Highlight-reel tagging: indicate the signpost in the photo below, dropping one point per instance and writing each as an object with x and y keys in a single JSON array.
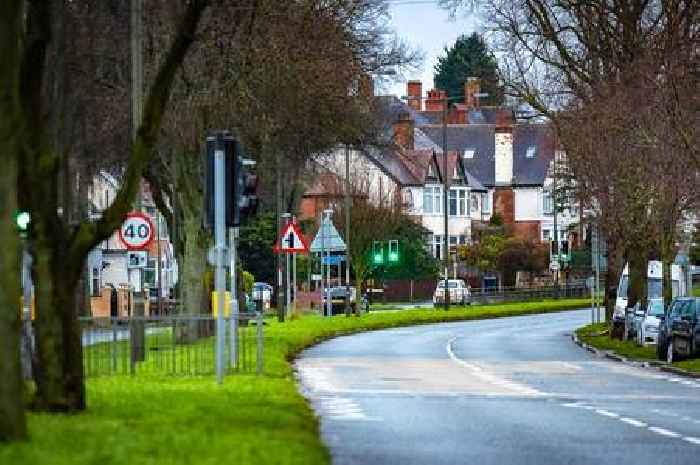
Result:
[
  {"x": 137, "y": 231},
  {"x": 327, "y": 240},
  {"x": 291, "y": 241}
]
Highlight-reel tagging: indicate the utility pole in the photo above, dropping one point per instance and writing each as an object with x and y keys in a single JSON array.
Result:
[
  {"x": 278, "y": 193},
  {"x": 233, "y": 339},
  {"x": 556, "y": 228},
  {"x": 347, "y": 232},
  {"x": 445, "y": 177}
]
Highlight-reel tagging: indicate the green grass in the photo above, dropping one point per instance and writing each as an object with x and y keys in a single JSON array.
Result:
[
  {"x": 159, "y": 419},
  {"x": 596, "y": 335},
  {"x": 696, "y": 291}
]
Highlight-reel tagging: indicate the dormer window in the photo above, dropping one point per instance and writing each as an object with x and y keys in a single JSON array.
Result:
[
  {"x": 455, "y": 173},
  {"x": 469, "y": 153},
  {"x": 531, "y": 151},
  {"x": 431, "y": 174}
]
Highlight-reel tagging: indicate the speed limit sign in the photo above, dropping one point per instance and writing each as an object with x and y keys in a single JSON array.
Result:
[{"x": 137, "y": 231}]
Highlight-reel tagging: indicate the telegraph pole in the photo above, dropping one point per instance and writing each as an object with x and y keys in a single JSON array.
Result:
[
  {"x": 445, "y": 177},
  {"x": 347, "y": 232}
]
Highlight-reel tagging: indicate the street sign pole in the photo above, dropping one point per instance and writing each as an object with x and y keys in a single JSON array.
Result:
[
  {"x": 220, "y": 246},
  {"x": 294, "y": 273},
  {"x": 233, "y": 337}
]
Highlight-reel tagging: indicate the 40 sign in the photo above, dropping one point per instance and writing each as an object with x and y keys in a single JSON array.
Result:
[{"x": 137, "y": 231}]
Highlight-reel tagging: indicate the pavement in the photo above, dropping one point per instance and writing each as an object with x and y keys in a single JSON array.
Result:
[{"x": 506, "y": 391}]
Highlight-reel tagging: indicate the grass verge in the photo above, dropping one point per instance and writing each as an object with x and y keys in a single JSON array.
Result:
[
  {"x": 596, "y": 335},
  {"x": 158, "y": 419}
]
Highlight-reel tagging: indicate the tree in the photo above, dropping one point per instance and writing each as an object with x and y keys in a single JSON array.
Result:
[
  {"x": 12, "y": 421},
  {"x": 60, "y": 246},
  {"x": 590, "y": 67},
  {"x": 469, "y": 57},
  {"x": 255, "y": 247}
]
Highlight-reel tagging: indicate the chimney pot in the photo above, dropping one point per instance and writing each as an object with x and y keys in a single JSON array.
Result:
[
  {"x": 403, "y": 131},
  {"x": 414, "y": 91}
]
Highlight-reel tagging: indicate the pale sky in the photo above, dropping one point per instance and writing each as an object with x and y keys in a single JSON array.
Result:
[{"x": 426, "y": 26}]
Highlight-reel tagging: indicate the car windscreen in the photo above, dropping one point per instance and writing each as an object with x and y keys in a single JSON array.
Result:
[
  {"x": 656, "y": 308},
  {"x": 451, "y": 284}
]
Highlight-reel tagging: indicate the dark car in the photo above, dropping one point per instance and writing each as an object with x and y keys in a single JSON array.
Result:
[{"x": 679, "y": 331}]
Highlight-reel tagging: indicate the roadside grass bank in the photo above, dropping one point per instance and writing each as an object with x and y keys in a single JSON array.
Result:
[
  {"x": 597, "y": 336},
  {"x": 257, "y": 420}
]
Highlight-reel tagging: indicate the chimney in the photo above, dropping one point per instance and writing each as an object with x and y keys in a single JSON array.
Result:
[
  {"x": 503, "y": 138},
  {"x": 471, "y": 90},
  {"x": 414, "y": 91},
  {"x": 436, "y": 101},
  {"x": 403, "y": 131}
]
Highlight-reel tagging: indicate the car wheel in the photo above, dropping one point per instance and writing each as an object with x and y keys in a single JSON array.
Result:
[
  {"x": 669, "y": 353},
  {"x": 660, "y": 349}
]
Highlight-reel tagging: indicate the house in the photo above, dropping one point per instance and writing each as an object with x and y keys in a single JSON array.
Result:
[
  {"x": 110, "y": 264},
  {"x": 494, "y": 163}
]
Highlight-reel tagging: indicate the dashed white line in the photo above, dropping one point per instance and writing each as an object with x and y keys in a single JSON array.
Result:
[
  {"x": 488, "y": 377},
  {"x": 633, "y": 422},
  {"x": 664, "y": 432},
  {"x": 607, "y": 413}
]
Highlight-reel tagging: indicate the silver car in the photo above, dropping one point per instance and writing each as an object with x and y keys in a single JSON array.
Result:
[{"x": 647, "y": 327}]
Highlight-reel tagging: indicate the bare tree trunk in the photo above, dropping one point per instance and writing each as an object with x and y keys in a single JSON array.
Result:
[
  {"x": 13, "y": 425},
  {"x": 59, "y": 376},
  {"x": 12, "y": 421}
]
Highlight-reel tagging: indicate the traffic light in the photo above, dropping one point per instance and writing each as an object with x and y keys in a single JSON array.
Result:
[
  {"x": 246, "y": 185},
  {"x": 240, "y": 184},
  {"x": 22, "y": 220},
  {"x": 565, "y": 247},
  {"x": 377, "y": 253},
  {"x": 393, "y": 250}
]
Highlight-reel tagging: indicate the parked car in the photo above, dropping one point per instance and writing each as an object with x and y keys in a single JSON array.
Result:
[
  {"x": 458, "y": 289},
  {"x": 262, "y": 291},
  {"x": 337, "y": 295},
  {"x": 679, "y": 331},
  {"x": 622, "y": 315},
  {"x": 647, "y": 326}
]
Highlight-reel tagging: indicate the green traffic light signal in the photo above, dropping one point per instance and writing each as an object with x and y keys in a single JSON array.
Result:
[
  {"x": 22, "y": 220},
  {"x": 377, "y": 253},
  {"x": 393, "y": 250}
]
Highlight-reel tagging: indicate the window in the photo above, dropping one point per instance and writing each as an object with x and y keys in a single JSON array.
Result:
[
  {"x": 546, "y": 235},
  {"x": 487, "y": 202},
  {"x": 95, "y": 282},
  {"x": 458, "y": 202},
  {"x": 462, "y": 239},
  {"x": 475, "y": 203},
  {"x": 432, "y": 200},
  {"x": 547, "y": 206},
  {"x": 531, "y": 151},
  {"x": 469, "y": 153},
  {"x": 437, "y": 246},
  {"x": 455, "y": 173},
  {"x": 453, "y": 240}
]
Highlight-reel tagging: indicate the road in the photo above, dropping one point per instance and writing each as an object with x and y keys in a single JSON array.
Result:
[{"x": 506, "y": 391}]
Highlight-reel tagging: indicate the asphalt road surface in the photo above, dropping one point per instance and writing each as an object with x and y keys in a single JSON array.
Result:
[{"x": 507, "y": 391}]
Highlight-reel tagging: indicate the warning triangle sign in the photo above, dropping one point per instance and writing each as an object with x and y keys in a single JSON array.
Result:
[{"x": 291, "y": 240}]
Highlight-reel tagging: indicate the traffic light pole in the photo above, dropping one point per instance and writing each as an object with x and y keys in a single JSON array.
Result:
[{"x": 220, "y": 247}]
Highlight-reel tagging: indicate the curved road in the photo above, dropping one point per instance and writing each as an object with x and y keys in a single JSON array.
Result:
[{"x": 506, "y": 391}]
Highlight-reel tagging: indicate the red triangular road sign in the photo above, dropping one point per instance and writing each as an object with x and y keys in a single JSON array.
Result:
[{"x": 291, "y": 240}]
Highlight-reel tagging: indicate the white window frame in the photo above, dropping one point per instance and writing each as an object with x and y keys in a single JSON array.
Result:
[
  {"x": 486, "y": 203},
  {"x": 547, "y": 203}
]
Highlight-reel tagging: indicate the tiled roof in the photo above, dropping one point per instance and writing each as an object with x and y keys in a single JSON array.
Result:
[
  {"x": 476, "y": 137},
  {"x": 532, "y": 170}
]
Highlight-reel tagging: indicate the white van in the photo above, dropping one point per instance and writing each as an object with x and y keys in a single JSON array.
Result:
[{"x": 654, "y": 285}]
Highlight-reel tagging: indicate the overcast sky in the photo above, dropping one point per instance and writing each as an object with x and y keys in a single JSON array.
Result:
[{"x": 426, "y": 26}]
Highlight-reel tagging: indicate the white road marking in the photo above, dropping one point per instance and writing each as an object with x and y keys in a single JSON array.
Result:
[
  {"x": 633, "y": 422},
  {"x": 664, "y": 432},
  {"x": 607, "y": 413},
  {"x": 488, "y": 377},
  {"x": 692, "y": 440}
]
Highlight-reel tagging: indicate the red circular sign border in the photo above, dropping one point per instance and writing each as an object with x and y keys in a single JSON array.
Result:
[{"x": 150, "y": 224}]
